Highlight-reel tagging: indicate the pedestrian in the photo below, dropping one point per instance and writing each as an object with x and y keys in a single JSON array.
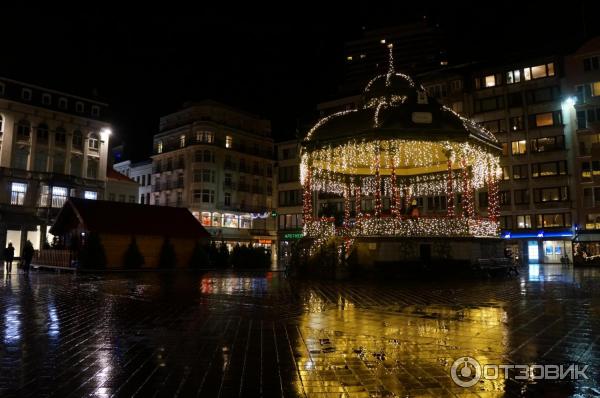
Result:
[
  {"x": 27, "y": 255},
  {"x": 9, "y": 256}
]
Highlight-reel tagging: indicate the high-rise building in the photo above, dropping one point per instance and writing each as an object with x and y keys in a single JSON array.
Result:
[
  {"x": 54, "y": 145},
  {"x": 218, "y": 162},
  {"x": 418, "y": 47}
]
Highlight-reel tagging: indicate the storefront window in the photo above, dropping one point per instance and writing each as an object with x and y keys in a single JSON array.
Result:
[
  {"x": 206, "y": 220},
  {"x": 246, "y": 222},
  {"x": 216, "y": 219},
  {"x": 230, "y": 221}
]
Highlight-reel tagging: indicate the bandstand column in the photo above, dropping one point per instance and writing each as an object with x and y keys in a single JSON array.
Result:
[
  {"x": 393, "y": 200},
  {"x": 467, "y": 194},
  {"x": 307, "y": 198},
  {"x": 450, "y": 190},
  {"x": 377, "y": 186},
  {"x": 347, "y": 206},
  {"x": 493, "y": 199},
  {"x": 357, "y": 200}
]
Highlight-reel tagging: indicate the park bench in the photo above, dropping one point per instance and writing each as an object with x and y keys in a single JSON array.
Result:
[{"x": 496, "y": 266}]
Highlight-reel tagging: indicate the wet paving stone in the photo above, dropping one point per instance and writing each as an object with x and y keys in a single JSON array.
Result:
[{"x": 261, "y": 335}]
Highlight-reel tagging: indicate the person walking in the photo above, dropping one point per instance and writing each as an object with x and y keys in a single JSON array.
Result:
[
  {"x": 27, "y": 255},
  {"x": 9, "y": 256}
]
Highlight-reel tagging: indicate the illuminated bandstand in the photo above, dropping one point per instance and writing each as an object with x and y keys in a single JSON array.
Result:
[{"x": 386, "y": 157}]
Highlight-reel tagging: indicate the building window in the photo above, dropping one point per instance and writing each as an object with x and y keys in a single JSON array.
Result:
[
  {"x": 216, "y": 219},
  {"x": 76, "y": 165},
  {"x": 92, "y": 168},
  {"x": 513, "y": 76},
  {"x": 524, "y": 221},
  {"x": 545, "y": 119},
  {"x": 505, "y": 198},
  {"x": 520, "y": 172},
  {"x": 494, "y": 126},
  {"x": 23, "y": 130},
  {"x": 208, "y": 196},
  {"x": 457, "y": 107},
  {"x": 91, "y": 195},
  {"x": 26, "y": 94},
  {"x": 546, "y": 144},
  {"x": 60, "y": 137},
  {"x": 539, "y": 71},
  {"x": 227, "y": 199},
  {"x": 159, "y": 147},
  {"x": 59, "y": 196},
  {"x": 40, "y": 160},
  {"x": 505, "y": 173},
  {"x": 557, "y": 194},
  {"x": 62, "y": 103},
  {"x": 208, "y": 157},
  {"x": 2, "y": 88},
  {"x": 516, "y": 123},
  {"x": 17, "y": 194},
  {"x": 93, "y": 143},
  {"x": 21, "y": 157},
  {"x": 42, "y": 133},
  {"x": 207, "y": 137},
  {"x": 590, "y": 63},
  {"x": 489, "y": 104},
  {"x": 131, "y": 198},
  {"x": 553, "y": 220},
  {"x": 490, "y": 81},
  {"x": 79, "y": 107},
  {"x": 77, "y": 140},
  {"x": 228, "y": 141},
  {"x": 197, "y": 196},
  {"x": 230, "y": 220},
  {"x": 519, "y": 147},
  {"x": 182, "y": 141},
  {"x": 46, "y": 99},
  {"x": 95, "y": 110},
  {"x": 521, "y": 196},
  {"x": 549, "y": 169},
  {"x": 245, "y": 222}
]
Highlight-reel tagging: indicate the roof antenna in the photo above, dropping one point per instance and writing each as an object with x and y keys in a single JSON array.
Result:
[{"x": 391, "y": 70}]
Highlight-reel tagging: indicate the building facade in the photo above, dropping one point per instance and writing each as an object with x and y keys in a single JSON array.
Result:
[
  {"x": 218, "y": 162},
  {"x": 53, "y": 146},
  {"x": 289, "y": 198},
  {"x": 140, "y": 172},
  {"x": 582, "y": 70}
]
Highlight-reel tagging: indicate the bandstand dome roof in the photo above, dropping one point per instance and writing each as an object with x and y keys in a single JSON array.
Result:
[{"x": 397, "y": 108}]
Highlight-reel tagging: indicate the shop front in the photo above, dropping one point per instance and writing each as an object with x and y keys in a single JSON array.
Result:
[
  {"x": 286, "y": 243},
  {"x": 545, "y": 247}
]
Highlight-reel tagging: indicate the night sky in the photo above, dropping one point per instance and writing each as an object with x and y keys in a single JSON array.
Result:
[{"x": 276, "y": 63}]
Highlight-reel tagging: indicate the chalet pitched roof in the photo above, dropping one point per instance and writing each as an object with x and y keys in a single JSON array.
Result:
[
  {"x": 115, "y": 175},
  {"x": 128, "y": 218}
]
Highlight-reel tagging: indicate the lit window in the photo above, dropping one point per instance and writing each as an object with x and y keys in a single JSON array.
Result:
[
  {"x": 182, "y": 141},
  {"x": 490, "y": 81},
  {"x": 230, "y": 220},
  {"x": 524, "y": 221},
  {"x": 228, "y": 141},
  {"x": 349, "y": 58},
  {"x": 91, "y": 195},
  {"x": 527, "y": 73},
  {"x": 59, "y": 196},
  {"x": 93, "y": 142},
  {"x": 205, "y": 136},
  {"x": 544, "y": 119},
  {"x": 513, "y": 76},
  {"x": 206, "y": 219},
  {"x": 551, "y": 69},
  {"x": 216, "y": 219},
  {"x": 246, "y": 222},
  {"x": 519, "y": 147},
  {"x": 538, "y": 71},
  {"x": 382, "y": 41},
  {"x": 596, "y": 89},
  {"x": 159, "y": 147},
  {"x": 17, "y": 196},
  {"x": 363, "y": 56}
]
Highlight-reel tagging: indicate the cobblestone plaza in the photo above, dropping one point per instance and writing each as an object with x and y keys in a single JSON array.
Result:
[{"x": 262, "y": 335}]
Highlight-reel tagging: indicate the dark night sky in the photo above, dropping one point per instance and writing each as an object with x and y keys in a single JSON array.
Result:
[{"x": 146, "y": 64}]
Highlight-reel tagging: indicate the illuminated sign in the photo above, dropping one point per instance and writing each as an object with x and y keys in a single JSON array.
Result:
[
  {"x": 293, "y": 236},
  {"x": 265, "y": 241}
]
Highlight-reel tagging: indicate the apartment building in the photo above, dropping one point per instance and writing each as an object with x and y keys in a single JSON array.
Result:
[
  {"x": 289, "y": 198},
  {"x": 54, "y": 145},
  {"x": 218, "y": 162},
  {"x": 140, "y": 172},
  {"x": 523, "y": 103},
  {"x": 582, "y": 71}
]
